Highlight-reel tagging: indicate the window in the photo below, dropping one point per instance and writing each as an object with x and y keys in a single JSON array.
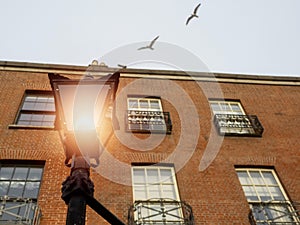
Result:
[
  {"x": 231, "y": 119},
  {"x": 266, "y": 197},
  {"x": 147, "y": 104},
  {"x": 19, "y": 189},
  {"x": 146, "y": 115},
  {"x": 38, "y": 109},
  {"x": 156, "y": 195},
  {"x": 227, "y": 107},
  {"x": 154, "y": 182}
]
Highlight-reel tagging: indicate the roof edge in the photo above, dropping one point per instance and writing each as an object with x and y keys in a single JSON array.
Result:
[{"x": 102, "y": 68}]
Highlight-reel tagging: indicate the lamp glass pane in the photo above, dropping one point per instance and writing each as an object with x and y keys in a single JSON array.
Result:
[{"x": 82, "y": 104}]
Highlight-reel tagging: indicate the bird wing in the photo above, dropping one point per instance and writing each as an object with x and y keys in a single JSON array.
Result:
[
  {"x": 153, "y": 41},
  {"x": 142, "y": 48},
  {"x": 188, "y": 20},
  {"x": 196, "y": 9}
]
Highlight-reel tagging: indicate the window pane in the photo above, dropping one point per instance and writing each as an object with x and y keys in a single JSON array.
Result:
[
  {"x": 225, "y": 107},
  {"x": 22, "y": 210},
  {"x": 154, "y": 191},
  {"x": 47, "y": 124},
  {"x": 14, "y": 210},
  {"x": 139, "y": 176},
  {"x": 258, "y": 212},
  {"x": 144, "y": 104},
  {"x": 37, "y": 117},
  {"x": 154, "y": 104},
  {"x": 172, "y": 214},
  {"x": 23, "y": 123},
  {"x": 35, "y": 123},
  {"x": 49, "y": 118},
  {"x": 31, "y": 190},
  {"x": 50, "y": 107},
  {"x": 235, "y": 107},
  {"x": 142, "y": 212},
  {"x": 250, "y": 193},
  {"x": 169, "y": 192},
  {"x": 6, "y": 173},
  {"x": 16, "y": 189},
  {"x": 263, "y": 193},
  {"x": 166, "y": 176},
  {"x": 20, "y": 173},
  {"x": 154, "y": 212},
  {"x": 152, "y": 175},
  {"x": 276, "y": 193},
  {"x": 28, "y": 105},
  {"x": 270, "y": 212},
  {"x": 40, "y": 106},
  {"x": 35, "y": 174},
  {"x": 3, "y": 187},
  {"x": 42, "y": 99},
  {"x": 132, "y": 103},
  {"x": 244, "y": 178},
  {"x": 256, "y": 177},
  {"x": 51, "y": 100},
  {"x": 280, "y": 213},
  {"x": 140, "y": 192},
  {"x": 269, "y": 178},
  {"x": 215, "y": 107},
  {"x": 25, "y": 117},
  {"x": 30, "y": 99}
]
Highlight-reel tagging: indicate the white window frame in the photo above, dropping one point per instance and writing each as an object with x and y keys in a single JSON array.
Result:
[
  {"x": 161, "y": 184},
  {"x": 270, "y": 188},
  {"x": 227, "y": 107},
  {"x": 139, "y": 105}
]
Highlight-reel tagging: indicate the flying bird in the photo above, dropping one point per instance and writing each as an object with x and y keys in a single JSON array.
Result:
[
  {"x": 194, "y": 14},
  {"x": 150, "y": 46}
]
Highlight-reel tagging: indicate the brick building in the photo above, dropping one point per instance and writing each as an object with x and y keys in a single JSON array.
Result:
[{"x": 189, "y": 148}]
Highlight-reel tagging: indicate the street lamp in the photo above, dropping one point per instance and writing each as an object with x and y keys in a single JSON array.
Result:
[{"x": 81, "y": 106}]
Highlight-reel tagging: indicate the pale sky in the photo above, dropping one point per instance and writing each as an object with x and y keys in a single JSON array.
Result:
[{"x": 233, "y": 36}]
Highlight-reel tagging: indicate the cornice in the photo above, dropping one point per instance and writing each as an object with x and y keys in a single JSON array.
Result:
[{"x": 102, "y": 69}]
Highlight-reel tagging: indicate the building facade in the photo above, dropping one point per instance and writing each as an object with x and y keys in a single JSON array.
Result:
[{"x": 178, "y": 148}]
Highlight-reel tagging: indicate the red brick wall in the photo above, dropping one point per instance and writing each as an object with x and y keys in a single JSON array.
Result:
[{"x": 215, "y": 194}]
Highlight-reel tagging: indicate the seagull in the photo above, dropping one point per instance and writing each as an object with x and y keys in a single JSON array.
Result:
[
  {"x": 194, "y": 14},
  {"x": 150, "y": 46}
]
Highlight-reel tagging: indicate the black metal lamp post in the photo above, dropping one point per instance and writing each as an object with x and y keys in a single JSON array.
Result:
[{"x": 81, "y": 105}]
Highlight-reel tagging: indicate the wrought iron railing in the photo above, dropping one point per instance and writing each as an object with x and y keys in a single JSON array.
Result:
[
  {"x": 238, "y": 125},
  {"x": 19, "y": 211},
  {"x": 148, "y": 121},
  {"x": 160, "y": 212},
  {"x": 275, "y": 213}
]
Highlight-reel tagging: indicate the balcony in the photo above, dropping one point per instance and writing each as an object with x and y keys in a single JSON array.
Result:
[
  {"x": 278, "y": 213},
  {"x": 160, "y": 212},
  {"x": 148, "y": 121},
  {"x": 238, "y": 125},
  {"x": 19, "y": 211}
]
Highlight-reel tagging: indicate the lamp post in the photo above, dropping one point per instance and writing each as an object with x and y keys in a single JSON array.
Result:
[{"x": 81, "y": 106}]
